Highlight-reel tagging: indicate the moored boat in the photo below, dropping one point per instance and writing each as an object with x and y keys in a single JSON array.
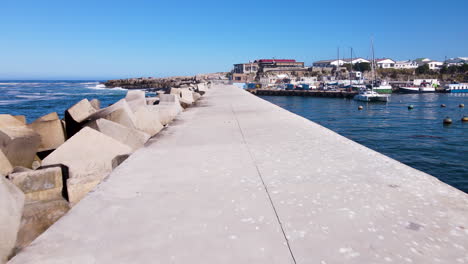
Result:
[
  {"x": 424, "y": 87},
  {"x": 457, "y": 88},
  {"x": 371, "y": 96}
]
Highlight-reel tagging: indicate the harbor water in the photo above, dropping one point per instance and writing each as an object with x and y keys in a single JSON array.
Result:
[{"x": 415, "y": 137}]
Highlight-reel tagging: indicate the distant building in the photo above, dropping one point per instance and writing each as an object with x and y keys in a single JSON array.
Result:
[
  {"x": 278, "y": 64},
  {"x": 456, "y": 61},
  {"x": 408, "y": 64},
  {"x": 385, "y": 63},
  {"x": 356, "y": 60},
  {"x": 433, "y": 65},
  {"x": 246, "y": 72},
  {"x": 338, "y": 63},
  {"x": 251, "y": 67},
  {"x": 328, "y": 63}
]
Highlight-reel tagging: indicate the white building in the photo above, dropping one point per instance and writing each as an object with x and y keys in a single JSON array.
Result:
[
  {"x": 433, "y": 65},
  {"x": 385, "y": 63},
  {"x": 334, "y": 63},
  {"x": 456, "y": 61},
  {"x": 408, "y": 64},
  {"x": 328, "y": 63},
  {"x": 356, "y": 60}
]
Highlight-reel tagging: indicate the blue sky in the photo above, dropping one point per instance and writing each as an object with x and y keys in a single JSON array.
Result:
[{"x": 117, "y": 39}]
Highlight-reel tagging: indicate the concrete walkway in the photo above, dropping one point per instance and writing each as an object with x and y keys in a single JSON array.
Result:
[{"x": 239, "y": 180}]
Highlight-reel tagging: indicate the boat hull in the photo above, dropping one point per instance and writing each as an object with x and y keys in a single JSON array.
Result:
[
  {"x": 458, "y": 91},
  {"x": 370, "y": 98},
  {"x": 416, "y": 90},
  {"x": 383, "y": 91}
]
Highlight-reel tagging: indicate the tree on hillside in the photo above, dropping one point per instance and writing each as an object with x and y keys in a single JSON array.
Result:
[
  {"x": 362, "y": 66},
  {"x": 347, "y": 66},
  {"x": 423, "y": 69}
]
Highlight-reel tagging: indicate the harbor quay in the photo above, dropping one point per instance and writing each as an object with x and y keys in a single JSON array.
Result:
[
  {"x": 236, "y": 179},
  {"x": 338, "y": 94}
]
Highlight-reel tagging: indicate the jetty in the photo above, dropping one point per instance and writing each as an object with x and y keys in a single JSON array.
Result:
[
  {"x": 315, "y": 93},
  {"x": 236, "y": 179}
]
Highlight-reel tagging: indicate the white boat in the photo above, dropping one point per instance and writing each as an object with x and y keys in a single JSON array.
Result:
[
  {"x": 423, "y": 88},
  {"x": 457, "y": 88},
  {"x": 371, "y": 96},
  {"x": 367, "y": 95}
]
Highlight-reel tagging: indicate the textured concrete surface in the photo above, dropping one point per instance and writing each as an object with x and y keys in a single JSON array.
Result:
[
  {"x": 11, "y": 206},
  {"x": 239, "y": 180}
]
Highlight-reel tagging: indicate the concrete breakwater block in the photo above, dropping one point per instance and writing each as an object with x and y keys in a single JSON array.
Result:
[
  {"x": 167, "y": 113},
  {"x": 5, "y": 165},
  {"x": 131, "y": 137},
  {"x": 10, "y": 121},
  {"x": 169, "y": 107},
  {"x": 95, "y": 103},
  {"x": 48, "y": 117},
  {"x": 175, "y": 91},
  {"x": 21, "y": 118},
  {"x": 147, "y": 120},
  {"x": 202, "y": 88},
  {"x": 88, "y": 156},
  {"x": 51, "y": 132},
  {"x": 19, "y": 144},
  {"x": 135, "y": 99},
  {"x": 77, "y": 115},
  {"x": 120, "y": 113},
  {"x": 37, "y": 217},
  {"x": 186, "y": 98},
  {"x": 11, "y": 207},
  {"x": 39, "y": 185},
  {"x": 152, "y": 100},
  {"x": 196, "y": 96}
]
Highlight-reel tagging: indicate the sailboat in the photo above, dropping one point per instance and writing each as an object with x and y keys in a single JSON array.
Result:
[{"x": 369, "y": 95}]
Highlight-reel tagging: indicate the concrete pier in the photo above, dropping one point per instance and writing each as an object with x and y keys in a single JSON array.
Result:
[{"x": 239, "y": 180}]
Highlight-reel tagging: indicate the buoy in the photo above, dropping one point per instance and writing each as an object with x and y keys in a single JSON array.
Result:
[
  {"x": 461, "y": 105},
  {"x": 464, "y": 119},
  {"x": 442, "y": 105},
  {"x": 360, "y": 107},
  {"x": 447, "y": 121},
  {"x": 410, "y": 107}
]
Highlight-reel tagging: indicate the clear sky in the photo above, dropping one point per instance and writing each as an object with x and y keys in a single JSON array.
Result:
[{"x": 101, "y": 39}]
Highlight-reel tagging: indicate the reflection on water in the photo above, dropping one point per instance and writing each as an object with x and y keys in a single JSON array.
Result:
[{"x": 415, "y": 137}]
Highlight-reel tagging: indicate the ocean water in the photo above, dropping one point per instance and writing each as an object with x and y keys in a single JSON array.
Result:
[
  {"x": 37, "y": 98},
  {"x": 415, "y": 137}
]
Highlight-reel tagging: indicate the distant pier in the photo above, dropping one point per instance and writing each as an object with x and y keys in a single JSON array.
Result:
[{"x": 316, "y": 93}]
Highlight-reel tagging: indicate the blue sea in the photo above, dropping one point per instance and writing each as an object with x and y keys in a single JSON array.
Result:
[
  {"x": 37, "y": 98},
  {"x": 415, "y": 137}
]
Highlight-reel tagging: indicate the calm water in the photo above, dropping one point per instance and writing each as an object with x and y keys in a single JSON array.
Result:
[
  {"x": 415, "y": 137},
  {"x": 36, "y": 98}
]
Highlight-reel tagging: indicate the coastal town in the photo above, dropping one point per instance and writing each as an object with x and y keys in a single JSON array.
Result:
[{"x": 384, "y": 75}]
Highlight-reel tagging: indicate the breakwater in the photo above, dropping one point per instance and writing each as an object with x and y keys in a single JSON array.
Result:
[
  {"x": 258, "y": 184},
  {"x": 337, "y": 94},
  {"x": 50, "y": 164},
  {"x": 152, "y": 83}
]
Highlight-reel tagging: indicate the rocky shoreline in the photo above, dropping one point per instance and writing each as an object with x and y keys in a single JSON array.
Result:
[{"x": 152, "y": 83}]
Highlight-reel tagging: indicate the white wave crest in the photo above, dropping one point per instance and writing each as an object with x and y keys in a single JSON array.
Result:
[{"x": 103, "y": 87}]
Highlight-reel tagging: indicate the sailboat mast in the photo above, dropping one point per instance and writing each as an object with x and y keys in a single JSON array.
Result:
[{"x": 373, "y": 63}]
